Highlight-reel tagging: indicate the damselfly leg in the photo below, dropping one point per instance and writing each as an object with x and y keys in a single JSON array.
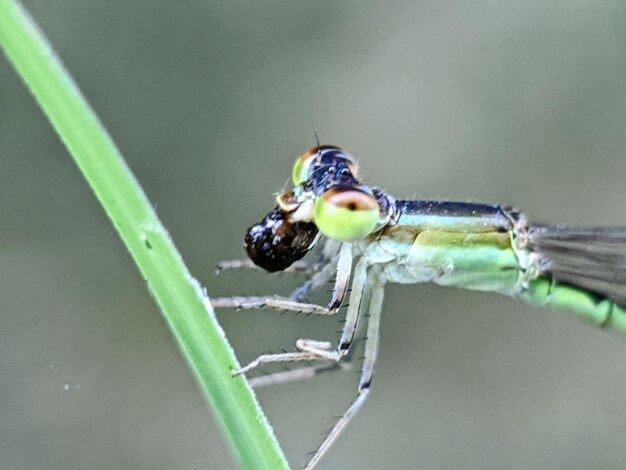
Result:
[
  {"x": 343, "y": 268},
  {"x": 308, "y": 349},
  {"x": 301, "y": 373},
  {"x": 369, "y": 362},
  {"x": 297, "y": 267},
  {"x": 367, "y": 289},
  {"x": 327, "y": 267}
]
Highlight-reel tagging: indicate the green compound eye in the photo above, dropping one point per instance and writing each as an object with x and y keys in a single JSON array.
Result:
[
  {"x": 347, "y": 214},
  {"x": 301, "y": 167}
]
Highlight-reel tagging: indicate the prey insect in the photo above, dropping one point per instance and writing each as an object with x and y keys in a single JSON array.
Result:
[{"x": 370, "y": 238}]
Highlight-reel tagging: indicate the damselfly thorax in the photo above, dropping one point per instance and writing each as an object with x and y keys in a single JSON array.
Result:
[{"x": 473, "y": 246}]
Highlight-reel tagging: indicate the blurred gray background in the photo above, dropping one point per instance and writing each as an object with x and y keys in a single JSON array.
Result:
[{"x": 517, "y": 102}]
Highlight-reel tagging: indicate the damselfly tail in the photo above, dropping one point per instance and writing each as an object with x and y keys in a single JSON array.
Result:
[{"x": 591, "y": 258}]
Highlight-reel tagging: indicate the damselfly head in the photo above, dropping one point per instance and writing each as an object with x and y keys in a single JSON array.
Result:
[
  {"x": 275, "y": 243},
  {"x": 329, "y": 193},
  {"x": 328, "y": 198}
]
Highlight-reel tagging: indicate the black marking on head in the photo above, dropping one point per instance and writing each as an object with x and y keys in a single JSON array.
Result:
[
  {"x": 330, "y": 169},
  {"x": 274, "y": 244}
]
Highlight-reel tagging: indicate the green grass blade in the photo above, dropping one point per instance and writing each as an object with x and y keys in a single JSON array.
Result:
[{"x": 182, "y": 301}]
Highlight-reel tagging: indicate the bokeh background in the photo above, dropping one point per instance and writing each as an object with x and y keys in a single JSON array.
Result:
[{"x": 517, "y": 102}]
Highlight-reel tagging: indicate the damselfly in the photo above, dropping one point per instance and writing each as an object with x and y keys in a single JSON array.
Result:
[{"x": 370, "y": 239}]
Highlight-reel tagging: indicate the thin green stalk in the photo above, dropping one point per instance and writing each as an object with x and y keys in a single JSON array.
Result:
[{"x": 184, "y": 304}]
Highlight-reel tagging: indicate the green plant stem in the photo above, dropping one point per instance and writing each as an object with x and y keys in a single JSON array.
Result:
[{"x": 184, "y": 304}]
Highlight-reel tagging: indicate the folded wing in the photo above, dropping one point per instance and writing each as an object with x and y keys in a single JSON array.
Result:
[{"x": 593, "y": 258}]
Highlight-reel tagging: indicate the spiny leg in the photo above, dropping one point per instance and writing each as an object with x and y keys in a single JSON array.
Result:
[
  {"x": 318, "y": 350},
  {"x": 344, "y": 266},
  {"x": 359, "y": 283},
  {"x": 297, "y": 267},
  {"x": 329, "y": 252},
  {"x": 269, "y": 301},
  {"x": 371, "y": 353},
  {"x": 320, "y": 271},
  {"x": 316, "y": 281},
  {"x": 301, "y": 373},
  {"x": 340, "y": 262},
  {"x": 308, "y": 350}
]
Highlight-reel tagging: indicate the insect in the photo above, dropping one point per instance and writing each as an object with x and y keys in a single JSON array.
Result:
[{"x": 370, "y": 238}]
